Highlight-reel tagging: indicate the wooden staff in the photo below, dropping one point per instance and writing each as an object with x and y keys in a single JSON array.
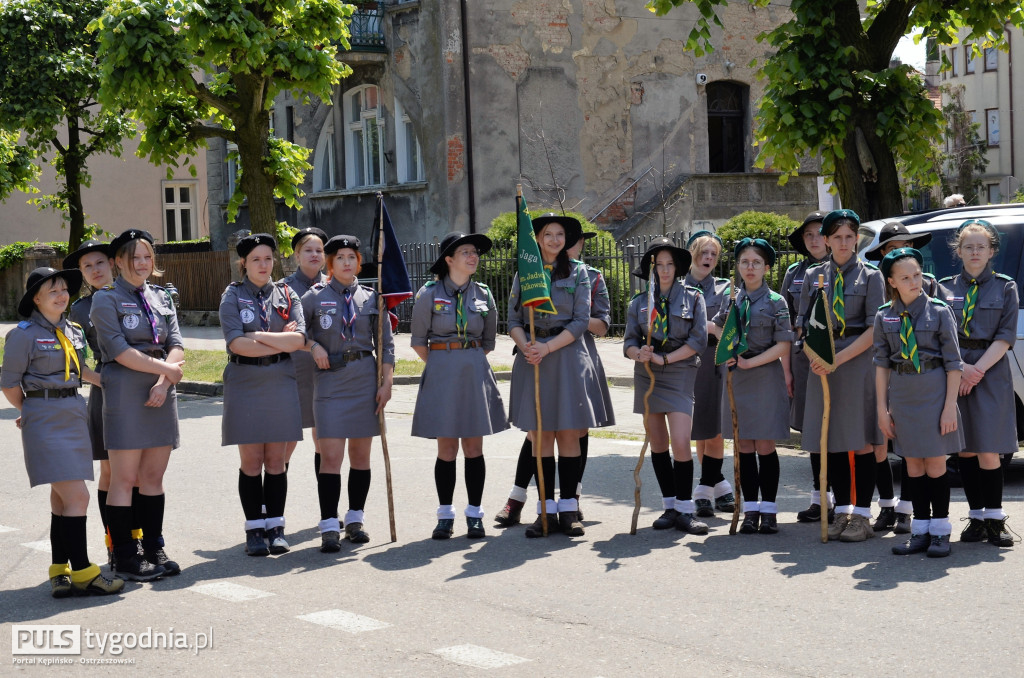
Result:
[
  {"x": 823, "y": 445},
  {"x": 538, "y": 436},
  {"x": 382, "y": 317},
  {"x": 735, "y": 427},
  {"x": 647, "y": 427}
]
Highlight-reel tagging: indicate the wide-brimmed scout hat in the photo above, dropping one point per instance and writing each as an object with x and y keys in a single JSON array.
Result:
[
  {"x": 680, "y": 257},
  {"x": 572, "y": 226},
  {"x": 454, "y": 241},
  {"x": 796, "y": 238},
  {"x": 40, "y": 276},
  {"x": 72, "y": 260},
  {"x": 894, "y": 230}
]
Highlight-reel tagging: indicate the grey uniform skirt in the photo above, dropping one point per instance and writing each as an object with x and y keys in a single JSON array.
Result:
[
  {"x": 344, "y": 401},
  {"x": 707, "y": 395},
  {"x": 55, "y": 439},
  {"x": 853, "y": 421},
  {"x": 127, "y": 423},
  {"x": 305, "y": 375},
  {"x": 568, "y": 390},
  {"x": 261, "y": 404},
  {"x": 800, "y": 367},
  {"x": 915, "y": 403},
  {"x": 988, "y": 411},
  {"x": 603, "y": 405},
  {"x": 673, "y": 388},
  {"x": 95, "y": 410},
  {"x": 458, "y": 397},
  {"x": 762, "y": 403}
]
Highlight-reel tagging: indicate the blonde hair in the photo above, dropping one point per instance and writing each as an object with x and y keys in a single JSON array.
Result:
[
  {"x": 976, "y": 227},
  {"x": 128, "y": 250},
  {"x": 697, "y": 245},
  {"x": 304, "y": 239}
]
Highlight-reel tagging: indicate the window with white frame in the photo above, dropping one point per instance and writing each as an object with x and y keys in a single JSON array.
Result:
[
  {"x": 991, "y": 59},
  {"x": 992, "y": 126},
  {"x": 993, "y": 194},
  {"x": 970, "y": 59},
  {"x": 179, "y": 211},
  {"x": 324, "y": 174},
  {"x": 364, "y": 137},
  {"x": 407, "y": 147},
  {"x": 953, "y": 65}
]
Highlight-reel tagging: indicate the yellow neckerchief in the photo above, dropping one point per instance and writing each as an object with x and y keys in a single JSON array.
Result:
[{"x": 70, "y": 354}]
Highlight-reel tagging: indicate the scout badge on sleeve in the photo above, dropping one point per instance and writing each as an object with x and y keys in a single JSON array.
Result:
[{"x": 820, "y": 347}]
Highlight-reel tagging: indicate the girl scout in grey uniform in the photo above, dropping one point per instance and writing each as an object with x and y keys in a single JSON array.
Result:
[
  {"x": 808, "y": 241},
  {"x": 854, "y": 291},
  {"x": 454, "y": 322},
  {"x": 917, "y": 377},
  {"x": 759, "y": 384},
  {"x": 679, "y": 336},
  {"x": 93, "y": 260},
  {"x": 894, "y": 235},
  {"x": 263, "y": 325},
  {"x": 705, "y": 249},
  {"x": 141, "y": 349},
  {"x": 42, "y": 371},
  {"x": 600, "y": 320},
  {"x": 984, "y": 305},
  {"x": 568, "y": 382},
  {"x": 342, "y": 324},
  {"x": 308, "y": 246}
]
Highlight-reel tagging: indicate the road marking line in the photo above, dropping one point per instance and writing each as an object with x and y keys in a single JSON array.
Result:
[
  {"x": 4, "y": 528},
  {"x": 43, "y": 546},
  {"x": 233, "y": 593},
  {"x": 344, "y": 621},
  {"x": 478, "y": 657}
]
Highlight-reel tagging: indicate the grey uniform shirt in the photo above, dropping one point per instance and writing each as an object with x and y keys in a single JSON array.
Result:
[
  {"x": 121, "y": 321},
  {"x": 434, "y": 314},
  {"x": 323, "y": 306},
  {"x": 934, "y": 330},
  {"x": 995, "y": 313},
  {"x": 863, "y": 293},
  {"x": 80, "y": 314},
  {"x": 571, "y": 298},
  {"x": 793, "y": 284},
  {"x": 300, "y": 283},
  {"x": 687, "y": 323},
  {"x": 768, "y": 319},
  {"x": 600, "y": 304},
  {"x": 715, "y": 292},
  {"x": 240, "y": 309},
  {"x": 34, "y": 359}
]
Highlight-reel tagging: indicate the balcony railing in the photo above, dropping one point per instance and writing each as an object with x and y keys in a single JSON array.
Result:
[{"x": 367, "y": 30}]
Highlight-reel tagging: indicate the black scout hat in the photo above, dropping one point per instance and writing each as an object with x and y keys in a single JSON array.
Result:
[
  {"x": 341, "y": 241},
  {"x": 796, "y": 238},
  {"x": 680, "y": 257},
  {"x": 131, "y": 234},
  {"x": 572, "y": 226},
  {"x": 894, "y": 230},
  {"x": 254, "y": 240},
  {"x": 452, "y": 242},
  {"x": 72, "y": 260},
  {"x": 38, "y": 277},
  {"x": 311, "y": 230}
]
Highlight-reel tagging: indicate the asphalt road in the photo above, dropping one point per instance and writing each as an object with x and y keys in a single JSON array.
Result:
[{"x": 607, "y": 604}]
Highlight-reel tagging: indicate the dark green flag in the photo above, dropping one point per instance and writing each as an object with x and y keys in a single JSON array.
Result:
[
  {"x": 733, "y": 342},
  {"x": 818, "y": 342},
  {"x": 534, "y": 281}
]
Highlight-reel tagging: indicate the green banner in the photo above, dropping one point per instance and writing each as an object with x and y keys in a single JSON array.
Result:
[
  {"x": 732, "y": 343},
  {"x": 818, "y": 342},
  {"x": 534, "y": 281}
]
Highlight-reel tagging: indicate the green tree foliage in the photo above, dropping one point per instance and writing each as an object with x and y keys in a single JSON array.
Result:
[
  {"x": 831, "y": 91},
  {"x": 967, "y": 157},
  {"x": 193, "y": 70},
  {"x": 49, "y": 81}
]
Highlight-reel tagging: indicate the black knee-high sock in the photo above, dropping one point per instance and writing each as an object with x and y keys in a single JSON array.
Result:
[
  {"x": 444, "y": 480},
  {"x": 750, "y": 481},
  {"x": 883, "y": 479},
  {"x": 328, "y": 490},
  {"x": 938, "y": 494},
  {"x": 358, "y": 488},
  {"x": 904, "y": 474},
  {"x": 839, "y": 477},
  {"x": 568, "y": 476},
  {"x": 864, "y": 468},
  {"x": 992, "y": 487},
  {"x": 250, "y": 493},
  {"x": 526, "y": 465},
  {"x": 136, "y": 513},
  {"x": 58, "y": 549},
  {"x": 682, "y": 473},
  {"x": 275, "y": 493},
  {"x": 662, "y": 463},
  {"x": 101, "y": 503},
  {"x": 584, "y": 447},
  {"x": 75, "y": 541},
  {"x": 476, "y": 472},
  {"x": 120, "y": 524},
  {"x": 970, "y": 475},
  {"x": 816, "y": 470},
  {"x": 316, "y": 464},
  {"x": 916, "y": 490},
  {"x": 711, "y": 471},
  {"x": 152, "y": 520},
  {"x": 548, "y": 467},
  {"x": 769, "y": 472}
]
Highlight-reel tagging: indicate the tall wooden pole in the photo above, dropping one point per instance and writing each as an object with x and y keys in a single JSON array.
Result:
[
  {"x": 823, "y": 446},
  {"x": 735, "y": 429},
  {"x": 382, "y": 317},
  {"x": 647, "y": 426}
]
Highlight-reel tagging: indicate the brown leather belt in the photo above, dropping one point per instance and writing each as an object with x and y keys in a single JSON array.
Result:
[{"x": 454, "y": 345}]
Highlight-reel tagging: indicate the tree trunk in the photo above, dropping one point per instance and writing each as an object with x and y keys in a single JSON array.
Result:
[
  {"x": 72, "y": 185},
  {"x": 877, "y": 199}
]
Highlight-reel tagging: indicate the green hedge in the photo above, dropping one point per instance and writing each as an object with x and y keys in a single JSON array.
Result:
[
  {"x": 15, "y": 252},
  {"x": 772, "y": 227}
]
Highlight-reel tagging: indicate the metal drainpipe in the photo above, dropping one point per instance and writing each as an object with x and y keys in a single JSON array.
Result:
[
  {"x": 1013, "y": 139},
  {"x": 468, "y": 146}
]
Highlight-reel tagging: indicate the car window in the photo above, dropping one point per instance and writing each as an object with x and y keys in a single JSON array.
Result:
[{"x": 940, "y": 261}]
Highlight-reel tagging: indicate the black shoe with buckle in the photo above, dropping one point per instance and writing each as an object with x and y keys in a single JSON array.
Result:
[
  {"x": 666, "y": 519},
  {"x": 886, "y": 519},
  {"x": 975, "y": 531},
  {"x": 918, "y": 543},
  {"x": 444, "y": 530}
]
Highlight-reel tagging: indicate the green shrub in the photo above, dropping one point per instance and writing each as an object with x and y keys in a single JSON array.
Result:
[
  {"x": 772, "y": 227},
  {"x": 15, "y": 252}
]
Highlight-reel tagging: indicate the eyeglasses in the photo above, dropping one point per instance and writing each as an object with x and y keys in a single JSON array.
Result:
[
  {"x": 751, "y": 264},
  {"x": 469, "y": 254},
  {"x": 975, "y": 249}
]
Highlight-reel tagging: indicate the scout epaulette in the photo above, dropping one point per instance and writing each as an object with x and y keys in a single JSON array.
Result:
[
  {"x": 111, "y": 286},
  {"x": 948, "y": 277},
  {"x": 74, "y": 324},
  {"x": 775, "y": 296},
  {"x": 885, "y": 305},
  {"x": 235, "y": 283},
  {"x": 167, "y": 295},
  {"x": 431, "y": 283},
  {"x": 870, "y": 264},
  {"x": 577, "y": 261},
  {"x": 1003, "y": 276},
  {"x": 24, "y": 324},
  {"x": 595, "y": 270},
  {"x": 640, "y": 293},
  {"x": 929, "y": 275},
  {"x": 723, "y": 280},
  {"x": 793, "y": 265},
  {"x": 694, "y": 288},
  {"x": 937, "y": 302},
  {"x": 319, "y": 285}
]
